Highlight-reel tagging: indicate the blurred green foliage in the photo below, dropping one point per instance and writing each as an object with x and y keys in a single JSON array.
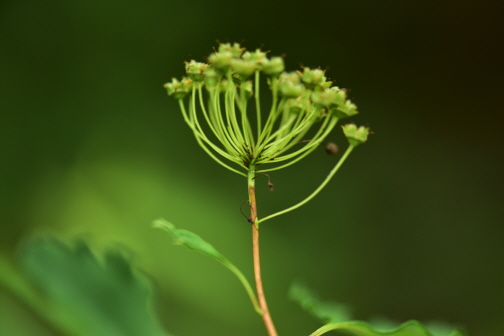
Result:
[
  {"x": 77, "y": 292},
  {"x": 91, "y": 146}
]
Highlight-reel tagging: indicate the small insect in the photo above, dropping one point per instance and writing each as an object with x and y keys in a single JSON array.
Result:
[
  {"x": 249, "y": 219},
  {"x": 331, "y": 148}
]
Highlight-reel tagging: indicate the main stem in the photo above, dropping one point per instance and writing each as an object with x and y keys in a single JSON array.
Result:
[{"x": 268, "y": 322}]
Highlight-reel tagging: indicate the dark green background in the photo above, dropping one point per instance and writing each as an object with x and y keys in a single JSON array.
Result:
[{"x": 410, "y": 228}]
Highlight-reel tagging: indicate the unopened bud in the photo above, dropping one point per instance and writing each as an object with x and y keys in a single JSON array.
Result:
[
  {"x": 355, "y": 135},
  {"x": 312, "y": 78},
  {"x": 221, "y": 61},
  {"x": 195, "y": 70},
  {"x": 274, "y": 66},
  {"x": 257, "y": 56},
  {"x": 348, "y": 109},
  {"x": 243, "y": 68},
  {"x": 247, "y": 87},
  {"x": 234, "y": 49},
  {"x": 178, "y": 90},
  {"x": 289, "y": 85}
]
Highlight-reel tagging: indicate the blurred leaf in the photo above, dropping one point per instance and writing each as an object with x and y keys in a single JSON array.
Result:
[
  {"x": 87, "y": 294},
  {"x": 410, "y": 328},
  {"x": 335, "y": 314},
  {"x": 328, "y": 312}
]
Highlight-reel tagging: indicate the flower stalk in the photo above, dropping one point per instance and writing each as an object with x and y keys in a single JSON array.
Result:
[
  {"x": 268, "y": 322},
  {"x": 305, "y": 109}
]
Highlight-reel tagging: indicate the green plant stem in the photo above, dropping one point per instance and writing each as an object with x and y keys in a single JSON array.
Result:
[
  {"x": 324, "y": 183},
  {"x": 245, "y": 284},
  {"x": 268, "y": 322},
  {"x": 257, "y": 103}
]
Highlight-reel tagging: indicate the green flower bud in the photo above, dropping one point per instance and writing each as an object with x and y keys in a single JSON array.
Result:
[
  {"x": 355, "y": 135},
  {"x": 323, "y": 86},
  {"x": 211, "y": 77},
  {"x": 234, "y": 49},
  {"x": 223, "y": 85},
  {"x": 331, "y": 98},
  {"x": 221, "y": 61},
  {"x": 297, "y": 105},
  {"x": 179, "y": 90},
  {"x": 292, "y": 77},
  {"x": 257, "y": 56},
  {"x": 312, "y": 78},
  {"x": 243, "y": 68},
  {"x": 195, "y": 70},
  {"x": 289, "y": 85},
  {"x": 348, "y": 109},
  {"x": 274, "y": 66},
  {"x": 247, "y": 87}
]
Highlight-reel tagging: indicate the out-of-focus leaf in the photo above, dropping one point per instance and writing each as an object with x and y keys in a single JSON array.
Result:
[
  {"x": 90, "y": 295},
  {"x": 410, "y": 328},
  {"x": 328, "y": 312},
  {"x": 335, "y": 314}
]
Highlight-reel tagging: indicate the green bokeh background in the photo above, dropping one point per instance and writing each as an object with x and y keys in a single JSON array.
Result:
[{"x": 410, "y": 228}]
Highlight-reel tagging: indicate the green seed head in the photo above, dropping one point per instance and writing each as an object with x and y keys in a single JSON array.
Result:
[
  {"x": 347, "y": 109},
  {"x": 178, "y": 90},
  {"x": 226, "y": 115},
  {"x": 289, "y": 85},
  {"x": 235, "y": 49},
  {"x": 274, "y": 66},
  {"x": 257, "y": 56},
  {"x": 212, "y": 78},
  {"x": 243, "y": 68},
  {"x": 247, "y": 88},
  {"x": 221, "y": 61},
  {"x": 195, "y": 70},
  {"x": 355, "y": 135},
  {"x": 312, "y": 78},
  {"x": 298, "y": 105}
]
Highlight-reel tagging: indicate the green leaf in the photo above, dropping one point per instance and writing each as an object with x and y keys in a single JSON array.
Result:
[
  {"x": 410, "y": 328},
  {"x": 190, "y": 240},
  {"x": 194, "y": 242},
  {"x": 84, "y": 294},
  {"x": 335, "y": 314},
  {"x": 328, "y": 312}
]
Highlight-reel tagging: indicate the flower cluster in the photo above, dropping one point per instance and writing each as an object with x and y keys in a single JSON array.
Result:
[{"x": 218, "y": 110}]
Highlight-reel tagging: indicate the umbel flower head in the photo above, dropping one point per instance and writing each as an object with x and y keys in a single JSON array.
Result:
[{"x": 219, "y": 112}]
